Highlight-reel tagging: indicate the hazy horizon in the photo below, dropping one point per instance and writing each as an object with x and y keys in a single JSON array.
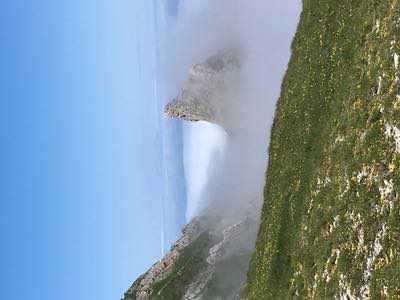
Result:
[
  {"x": 83, "y": 160},
  {"x": 98, "y": 184}
]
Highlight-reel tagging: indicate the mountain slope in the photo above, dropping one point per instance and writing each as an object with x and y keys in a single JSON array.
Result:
[
  {"x": 331, "y": 217},
  {"x": 209, "y": 261}
]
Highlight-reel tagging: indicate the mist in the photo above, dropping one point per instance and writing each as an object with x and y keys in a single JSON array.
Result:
[
  {"x": 226, "y": 171},
  {"x": 225, "y": 167}
]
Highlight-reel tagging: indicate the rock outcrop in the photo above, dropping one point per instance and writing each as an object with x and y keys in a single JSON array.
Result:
[
  {"x": 143, "y": 286},
  {"x": 231, "y": 234},
  {"x": 197, "y": 287},
  {"x": 210, "y": 247},
  {"x": 202, "y": 95},
  {"x": 195, "y": 268}
]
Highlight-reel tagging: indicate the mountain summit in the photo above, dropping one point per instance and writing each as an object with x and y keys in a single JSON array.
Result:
[{"x": 202, "y": 95}]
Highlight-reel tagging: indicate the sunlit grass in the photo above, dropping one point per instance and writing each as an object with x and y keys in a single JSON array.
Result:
[{"x": 331, "y": 217}]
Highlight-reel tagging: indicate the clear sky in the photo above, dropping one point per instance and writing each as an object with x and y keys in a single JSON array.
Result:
[{"x": 80, "y": 180}]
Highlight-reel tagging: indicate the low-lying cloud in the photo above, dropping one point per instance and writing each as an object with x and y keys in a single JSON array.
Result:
[{"x": 227, "y": 171}]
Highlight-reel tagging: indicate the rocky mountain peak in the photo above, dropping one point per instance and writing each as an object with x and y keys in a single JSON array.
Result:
[{"x": 201, "y": 97}]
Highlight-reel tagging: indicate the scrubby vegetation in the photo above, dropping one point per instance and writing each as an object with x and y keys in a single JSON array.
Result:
[
  {"x": 183, "y": 273},
  {"x": 331, "y": 218},
  {"x": 189, "y": 265},
  {"x": 227, "y": 281}
]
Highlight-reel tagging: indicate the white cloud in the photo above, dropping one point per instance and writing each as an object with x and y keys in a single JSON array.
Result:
[
  {"x": 201, "y": 141},
  {"x": 229, "y": 172}
]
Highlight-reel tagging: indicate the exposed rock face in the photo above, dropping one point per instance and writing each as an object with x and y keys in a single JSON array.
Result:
[
  {"x": 142, "y": 287},
  {"x": 202, "y": 95},
  {"x": 211, "y": 258},
  {"x": 196, "y": 289},
  {"x": 230, "y": 234},
  {"x": 226, "y": 242}
]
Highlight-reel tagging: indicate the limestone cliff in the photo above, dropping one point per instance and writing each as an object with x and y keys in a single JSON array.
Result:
[
  {"x": 202, "y": 95},
  {"x": 201, "y": 263},
  {"x": 142, "y": 288}
]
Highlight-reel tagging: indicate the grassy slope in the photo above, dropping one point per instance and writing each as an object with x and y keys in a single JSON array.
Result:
[
  {"x": 185, "y": 270},
  {"x": 187, "y": 267},
  {"x": 328, "y": 129}
]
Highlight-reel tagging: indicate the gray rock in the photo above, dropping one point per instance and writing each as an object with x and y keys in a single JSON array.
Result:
[
  {"x": 143, "y": 286},
  {"x": 202, "y": 95}
]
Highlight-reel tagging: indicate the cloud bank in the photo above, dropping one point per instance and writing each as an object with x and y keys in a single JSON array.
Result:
[{"x": 227, "y": 171}]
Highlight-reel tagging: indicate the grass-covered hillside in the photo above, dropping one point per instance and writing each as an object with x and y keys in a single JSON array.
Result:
[
  {"x": 331, "y": 218},
  {"x": 211, "y": 266},
  {"x": 183, "y": 273},
  {"x": 188, "y": 266}
]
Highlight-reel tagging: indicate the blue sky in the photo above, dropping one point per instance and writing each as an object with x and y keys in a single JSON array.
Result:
[
  {"x": 81, "y": 180},
  {"x": 172, "y": 7}
]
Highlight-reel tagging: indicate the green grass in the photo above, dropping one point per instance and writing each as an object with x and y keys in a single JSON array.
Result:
[
  {"x": 329, "y": 127},
  {"x": 228, "y": 278},
  {"x": 190, "y": 263}
]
